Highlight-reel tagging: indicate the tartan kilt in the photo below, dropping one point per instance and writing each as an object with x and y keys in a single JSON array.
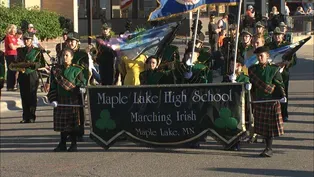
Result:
[
  {"x": 66, "y": 118},
  {"x": 268, "y": 119}
]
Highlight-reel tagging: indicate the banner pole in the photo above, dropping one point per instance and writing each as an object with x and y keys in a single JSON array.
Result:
[
  {"x": 195, "y": 33},
  {"x": 237, "y": 40}
]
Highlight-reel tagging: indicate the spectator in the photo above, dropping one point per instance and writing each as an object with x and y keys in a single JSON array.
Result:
[
  {"x": 223, "y": 24},
  {"x": 300, "y": 11},
  {"x": 250, "y": 12},
  {"x": 310, "y": 11},
  {"x": 213, "y": 33},
  {"x": 287, "y": 10},
  {"x": 36, "y": 43},
  {"x": 10, "y": 45},
  {"x": 18, "y": 36},
  {"x": 274, "y": 12}
]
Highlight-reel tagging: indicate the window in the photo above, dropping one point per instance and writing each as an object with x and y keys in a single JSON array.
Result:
[{"x": 96, "y": 9}]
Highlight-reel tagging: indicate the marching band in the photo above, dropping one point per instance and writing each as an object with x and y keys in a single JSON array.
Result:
[{"x": 265, "y": 81}]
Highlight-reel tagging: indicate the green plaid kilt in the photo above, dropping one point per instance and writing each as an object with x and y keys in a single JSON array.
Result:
[
  {"x": 268, "y": 119},
  {"x": 66, "y": 118}
]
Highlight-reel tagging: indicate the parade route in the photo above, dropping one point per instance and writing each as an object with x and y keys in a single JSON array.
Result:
[{"x": 26, "y": 149}]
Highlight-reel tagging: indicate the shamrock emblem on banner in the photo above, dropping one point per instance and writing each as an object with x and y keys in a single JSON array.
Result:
[
  {"x": 105, "y": 122},
  {"x": 225, "y": 120}
]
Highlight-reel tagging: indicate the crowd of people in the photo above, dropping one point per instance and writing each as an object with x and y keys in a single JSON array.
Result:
[{"x": 76, "y": 68}]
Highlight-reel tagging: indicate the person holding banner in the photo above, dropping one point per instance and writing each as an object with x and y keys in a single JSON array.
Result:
[
  {"x": 286, "y": 64},
  {"x": 241, "y": 77},
  {"x": 66, "y": 80},
  {"x": 265, "y": 79},
  {"x": 154, "y": 75}
]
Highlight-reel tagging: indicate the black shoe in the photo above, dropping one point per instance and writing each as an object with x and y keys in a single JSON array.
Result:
[
  {"x": 285, "y": 119},
  {"x": 72, "y": 148},
  {"x": 25, "y": 121},
  {"x": 267, "y": 153},
  {"x": 60, "y": 148}
]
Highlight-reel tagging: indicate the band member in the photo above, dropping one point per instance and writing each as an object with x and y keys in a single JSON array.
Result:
[
  {"x": 80, "y": 58},
  {"x": 228, "y": 47},
  {"x": 287, "y": 35},
  {"x": 191, "y": 70},
  {"x": 130, "y": 69},
  {"x": 154, "y": 75},
  {"x": 2, "y": 71},
  {"x": 258, "y": 41},
  {"x": 106, "y": 58},
  {"x": 260, "y": 30},
  {"x": 65, "y": 82},
  {"x": 265, "y": 78},
  {"x": 240, "y": 77},
  {"x": 29, "y": 59},
  {"x": 287, "y": 63},
  {"x": 245, "y": 47},
  {"x": 61, "y": 46}
]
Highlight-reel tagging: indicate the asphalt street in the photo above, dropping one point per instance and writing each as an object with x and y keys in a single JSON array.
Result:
[{"x": 26, "y": 149}]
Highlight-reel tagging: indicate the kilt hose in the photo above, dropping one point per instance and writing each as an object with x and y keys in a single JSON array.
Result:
[
  {"x": 66, "y": 119},
  {"x": 268, "y": 119}
]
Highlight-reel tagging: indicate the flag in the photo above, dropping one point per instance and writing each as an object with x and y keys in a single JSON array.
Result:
[
  {"x": 277, "y": 55},
  {"x": 169, "y": 8},
  {"x": 124, "y": 4},
  {"x": 131, "y": 45}
]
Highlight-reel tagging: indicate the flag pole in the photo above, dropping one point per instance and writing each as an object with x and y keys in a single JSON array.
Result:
[
  {"x": 195, "y": 33},
  {"x": 237, "y": 40}
]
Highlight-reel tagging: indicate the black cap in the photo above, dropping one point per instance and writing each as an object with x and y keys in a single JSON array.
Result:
[
  {"x": 28, "y": 35},
  {"x": 73, "y": 36},
  {"x": 106, "y": 25},
  {"x": 261, "y": 49}
]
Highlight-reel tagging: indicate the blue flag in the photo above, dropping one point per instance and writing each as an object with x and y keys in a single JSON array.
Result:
[
  {"x": 277, "y": 55},
  {"x": 169, "y": 8},
  {"x": 133, "y": 44}
]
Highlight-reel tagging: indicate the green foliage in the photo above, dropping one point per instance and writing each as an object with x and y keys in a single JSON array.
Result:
[
  {"x": 46, "y": 23},
  {"x": 225, "y": 120}
]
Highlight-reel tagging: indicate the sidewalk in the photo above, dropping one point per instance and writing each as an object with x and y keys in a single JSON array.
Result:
[{"x": 12, "y": 100}]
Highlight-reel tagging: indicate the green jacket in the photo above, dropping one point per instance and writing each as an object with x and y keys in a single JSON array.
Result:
[
  {"x": 153, "y": 77},
  {"x": 243, "y": 78},
  {"x": 245, "y": 52},
  {"x": 74, "y": 74},
  {"x": 200, "y": 73},
  {"x": 33, "y": 55},
  {"x": 269, "y": 75}
]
